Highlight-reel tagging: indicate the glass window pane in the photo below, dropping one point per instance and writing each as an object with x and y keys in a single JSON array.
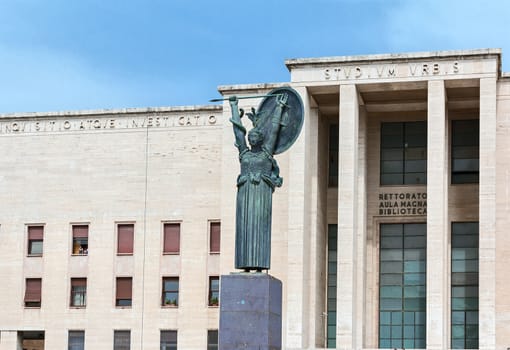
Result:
[
  {"x": 391, "y": 242},
  {"x": 413, "y": 279},
  {"x": 392, "y": 154},
  {"x": 392, "y": 166},
  {"x": 385, "y": 317},
  {"x": 414, "y": 266},
  {"x": 391, "y": 254},
  {"x": 414, "y": 254},
  {"x": 465, "y": 266},
  {"x": 396, "y": 318},
  {"x": 415, "y": 166},
  {"x": 390, "y": 304},
  {"x": 391, "y": 279},
  {"x": 392, "y": 179},
  {"x": 415, "y": 178},
  {"x": 391, "y": 267},
  {"x": 415, "y": 241}
]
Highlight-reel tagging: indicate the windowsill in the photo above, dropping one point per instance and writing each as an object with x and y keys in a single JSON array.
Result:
[
  {"x": 403, "y": 185},
  {"x": 123, "y": 307},
  {"x": 213, "y": 306},
  {"x": 169, "y": 306},
  {"x": 79, "y": 254},
  {"x": 32, "y": 307},
  {"x": 171, "y": 253},
  {"x": 466, "y": 183},
  {"x": 214, "y": 253},
  {"x": 34, "y": 255},
  {"x": 77, "y": 307},
  {"x": 124, "y": 254}
]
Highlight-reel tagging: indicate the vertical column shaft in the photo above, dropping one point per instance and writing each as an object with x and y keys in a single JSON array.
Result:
[
  {"x": 347, "y": 217},
  {"x": 487, "y": 214},
  {"x": 300, "y": 197},
  {"x": 437, "y": 217}
]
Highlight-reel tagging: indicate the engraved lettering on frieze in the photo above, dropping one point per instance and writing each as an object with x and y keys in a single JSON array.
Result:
[
  {"x": 390, "y": 71},
  {"x": 157, "y": 121},
  {"x": 402, "y": 203}
]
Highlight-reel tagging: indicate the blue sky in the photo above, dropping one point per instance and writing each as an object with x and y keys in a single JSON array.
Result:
[{"x": 93, "y": 54}]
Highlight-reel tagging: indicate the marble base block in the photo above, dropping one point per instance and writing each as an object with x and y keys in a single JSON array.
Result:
[{"x": 250, "y": 312}]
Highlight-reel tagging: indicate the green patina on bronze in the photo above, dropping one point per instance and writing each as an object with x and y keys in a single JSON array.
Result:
[{"x": 276, "y": 125}]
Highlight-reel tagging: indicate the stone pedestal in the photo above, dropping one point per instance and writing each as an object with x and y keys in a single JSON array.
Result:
[{"x": 250, "y": 312}]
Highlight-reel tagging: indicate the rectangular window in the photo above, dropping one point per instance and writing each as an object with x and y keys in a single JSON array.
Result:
[
  {"x": 35, "y": 240},
  {"x": 214, "y": 237},
  {"x": 76, "y": 340},
  {"x": 212, "y": 339},
  {"x": 402, "y": 286},
  {"x": 168, "y": 340},
  {"x": 331, "y": 291},
  {"x": 465, "y": 151},
  {"x": 404, "y": 153},
  {"x": 78, "y": 292},
  {"x": 170, "y": 294},
  {"x": 125, "y": 236},
  {"x": 464, "y": 279},
  {"x": 214, "y": 291},
  {"x": 172, "y": 238},
  {"x": 124, "y": 291},
  {"x": 121, "y": 340},
  {"x": 33, "y": 292},
  {"x": 333, "y": 155},
  {"x": 80, "y": 239}
]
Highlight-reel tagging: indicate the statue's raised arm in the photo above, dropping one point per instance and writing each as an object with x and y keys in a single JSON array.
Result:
[
  {"x": 237, "y": 125},
  {"x": 276, "y": 120}
]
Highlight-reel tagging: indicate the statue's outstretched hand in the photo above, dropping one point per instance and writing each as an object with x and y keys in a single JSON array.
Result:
[
  {"x": 282, "y": 99},
  {"x": 233, "y": 100}
]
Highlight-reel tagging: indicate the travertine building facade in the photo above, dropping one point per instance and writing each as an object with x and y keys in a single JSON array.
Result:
[{"x": 389, "y": 230}]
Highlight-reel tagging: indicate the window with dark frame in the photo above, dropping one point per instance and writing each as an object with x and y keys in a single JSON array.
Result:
[
  {"x": 214, "y": 291},
  {"x": 214, "y": 237},
  {"x": 212, "y": 339},
  {"x": 464, "y": 285},
  {"x": 124, "y": 291},
  {"x": 121, "y": 340},
  {"x": 78, "y": 292},
  {"x": 80, "y": 239},
  {"x": 170, "y": 292},
  {"x": 76, "y": 340},
  {"x": 35, "y": 240},
  {"x": 125, "y": 237},
  {"x": 402, "y": 286},
  {"x": 172, "y": 237},
  {"x": 33, "y": 292},
  {"x": 403, "y": 153},
  {"x": 168, "y": 340},
  {"x": 333, "y": 156},
  {"x": 465, "y": 151}
]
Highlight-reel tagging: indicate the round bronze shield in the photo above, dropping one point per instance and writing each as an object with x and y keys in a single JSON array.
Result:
[{"x": 291, "y": 121}]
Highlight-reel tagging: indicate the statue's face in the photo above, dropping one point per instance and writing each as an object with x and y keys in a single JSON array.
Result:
[{"x": 255, "y": 138}]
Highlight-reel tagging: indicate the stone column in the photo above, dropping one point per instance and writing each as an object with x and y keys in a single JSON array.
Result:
[
  {"x": 437, "y": 217},
  {"x": 487, "y": 215},
  {"x": 346, "y": 319},
  {"x": 298, "y": 246}
]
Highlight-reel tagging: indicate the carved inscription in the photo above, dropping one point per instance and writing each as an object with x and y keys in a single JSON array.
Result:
[
  {"x": 391, "y": 70},
  {"x": 403, "y": 203},
  {"x": 62, "y": 125}
]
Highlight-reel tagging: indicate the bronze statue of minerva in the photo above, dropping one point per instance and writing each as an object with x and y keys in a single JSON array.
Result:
[{"x": 276, "y": 125}]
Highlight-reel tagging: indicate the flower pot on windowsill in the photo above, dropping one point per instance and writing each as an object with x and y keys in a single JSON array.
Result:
[
  {"x": 214, "y": 302},
  {"x": 172, "y": 302}
]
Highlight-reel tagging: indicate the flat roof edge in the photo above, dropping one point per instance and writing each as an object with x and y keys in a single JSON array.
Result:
[
  {"x": 231, "y": 89},
  {"x": 71, "y": 113},
  {"x": 296, "y": 62}
]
